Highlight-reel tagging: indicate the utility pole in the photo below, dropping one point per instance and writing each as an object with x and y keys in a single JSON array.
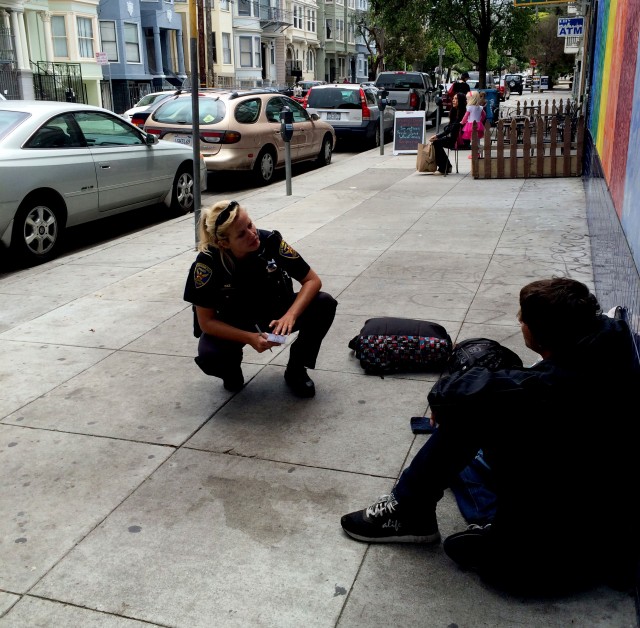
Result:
[{"x": 195, "y": 108}]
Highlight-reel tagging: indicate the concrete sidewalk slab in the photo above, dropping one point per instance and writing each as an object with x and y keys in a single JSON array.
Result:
[{"x": 139, "y": 492}]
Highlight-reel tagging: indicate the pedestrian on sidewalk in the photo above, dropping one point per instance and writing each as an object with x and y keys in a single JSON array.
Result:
[
  {"x": 450, "y": 137},
  {"x": 562, "y": 446},
  {"x": 240, "y": 286}
]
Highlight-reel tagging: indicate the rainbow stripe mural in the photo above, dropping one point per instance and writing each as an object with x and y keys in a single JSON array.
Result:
[{"x": 614, "y": 114}]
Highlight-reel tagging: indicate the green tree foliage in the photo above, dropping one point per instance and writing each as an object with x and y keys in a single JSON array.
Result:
[
  {"x": 548, "y": 49},
  {"x": 474, "y": 26}
]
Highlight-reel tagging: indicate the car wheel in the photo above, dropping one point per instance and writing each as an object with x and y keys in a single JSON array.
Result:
[
  {"x": 264, "y": 167},
  {"x": 326, "y": 151},
  {"x": 182, "y": 194},
  {"x": 37, "y": 230}
]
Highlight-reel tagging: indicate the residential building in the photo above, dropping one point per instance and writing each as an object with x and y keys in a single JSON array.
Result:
[
  {"x": 47, "y": 50},
  {"x": 339, "y": 18},
  {"x": 303, "y": 44},
  {"x": 143, "y": 40}
]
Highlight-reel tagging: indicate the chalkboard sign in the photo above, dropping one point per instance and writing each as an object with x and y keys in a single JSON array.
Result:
[{"x": 408, "y": 131}]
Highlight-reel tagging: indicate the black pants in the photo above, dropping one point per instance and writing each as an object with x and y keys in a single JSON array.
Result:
[
  {"x": 441, "y": 156},
  {"x": 221, "y": 358}
]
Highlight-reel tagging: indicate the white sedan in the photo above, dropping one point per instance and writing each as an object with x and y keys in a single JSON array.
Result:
[{"x": 64, "y": 164}]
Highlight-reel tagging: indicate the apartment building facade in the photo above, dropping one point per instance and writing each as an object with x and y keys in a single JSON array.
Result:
[{"x": 48, "y": 47}]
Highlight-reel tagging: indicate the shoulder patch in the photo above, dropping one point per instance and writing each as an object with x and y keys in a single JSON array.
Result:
[
  {"x": 201, "y": 274},
  {"x": 287, "y": 251}
]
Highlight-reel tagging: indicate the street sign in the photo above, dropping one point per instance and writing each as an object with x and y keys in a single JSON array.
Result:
[
  {"x": 570, "y": 26},
  {"x": 102, "y": 58},
  {"x": 533, "y": 63}
]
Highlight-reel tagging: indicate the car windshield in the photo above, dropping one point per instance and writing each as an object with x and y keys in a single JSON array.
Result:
[
  {"x": 9, "y": 120},
  {"x": 335, "y": 98},
  {"x": 179, "y": 111}
]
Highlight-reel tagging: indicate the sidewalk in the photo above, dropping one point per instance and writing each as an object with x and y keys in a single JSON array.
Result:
[{"x": 137, "y": 491}]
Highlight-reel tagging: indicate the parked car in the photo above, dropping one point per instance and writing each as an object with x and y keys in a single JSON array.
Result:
[
  {"x": 474, "y": 77},
  {"x": 515, "y": 83},
  {"x": 352, "y": 110},
  {"x": 150, "y": 99},
  {"x": 241, "y": 131},
  {"x": 64, "y": 164},
  {"x": 412, "y": 91}
]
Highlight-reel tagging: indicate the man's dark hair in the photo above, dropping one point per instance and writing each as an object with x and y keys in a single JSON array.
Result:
[{"x": 559, "y": 312}]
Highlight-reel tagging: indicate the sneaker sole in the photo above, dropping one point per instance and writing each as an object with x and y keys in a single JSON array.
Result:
[{"x": 405, "y": 538}]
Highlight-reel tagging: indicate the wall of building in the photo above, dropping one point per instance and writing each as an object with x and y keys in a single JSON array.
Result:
[{"x": 612, "y": 167}]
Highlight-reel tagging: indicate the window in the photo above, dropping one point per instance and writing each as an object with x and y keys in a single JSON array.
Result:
[
  {"x": 85, "y": 37},
  {"x": 224, "y": 5},
  {"x": 214, "y": 50},
  {"x": 246, "y": 52},
  {"x": 351, "y": 30},
  {"x": 329, "y": 27},
  {"x": 108, "y": 40},
  {"x": 273, "y": 53},
  {"x": 311, "y": 20},
  {"x": 352, "y": 4},
  {"x": 106, "y": 131},
  {"x": 59, "y": 33},
  {"x": 247, "y": 112},
  {"x": 297, "y": 16},
  {"x": 339, "y": 30},
  {"x": 310, "y": 61},
  {"x": 340, "y": 2},
  {"x": 244, "y": 7},
  {"x": 131, "y": 42},
  {"x": 226, "y": 48},
  {"x": 362, "y": 5}
]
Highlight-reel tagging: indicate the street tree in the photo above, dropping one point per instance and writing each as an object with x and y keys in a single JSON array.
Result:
[{"x": 474, "y": 25}]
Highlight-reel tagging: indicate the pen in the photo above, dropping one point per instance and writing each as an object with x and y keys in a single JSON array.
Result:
[{"x": 260, "y": 332}]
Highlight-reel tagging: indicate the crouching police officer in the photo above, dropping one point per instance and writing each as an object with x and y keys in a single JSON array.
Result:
[{"x": 240, "y": 286}]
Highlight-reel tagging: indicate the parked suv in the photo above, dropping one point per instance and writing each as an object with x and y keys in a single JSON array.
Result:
[
  {"x": 514, "y": 82},
  {"x": 241, "y": 130},
  {"x": 352, "y": 110}
]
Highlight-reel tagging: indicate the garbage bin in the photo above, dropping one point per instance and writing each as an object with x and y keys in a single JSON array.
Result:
[{"x": 492, "y": 108}]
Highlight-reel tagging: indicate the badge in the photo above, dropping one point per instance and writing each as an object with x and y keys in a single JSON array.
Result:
[
  {"x": 201, "y": 274},
  {"x": 287, "y": 251}
]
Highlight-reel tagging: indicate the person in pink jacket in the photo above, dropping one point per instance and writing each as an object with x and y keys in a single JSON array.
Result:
[{"x": 475, "y": 113}]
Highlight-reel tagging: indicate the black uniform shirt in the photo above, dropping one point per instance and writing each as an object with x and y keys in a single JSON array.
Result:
[{"x": 258, "y": 288}]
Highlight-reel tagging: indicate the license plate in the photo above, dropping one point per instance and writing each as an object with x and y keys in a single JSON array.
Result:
[
  {"x": 182, "y": 139},
  {"x": 333, "y": 116}
]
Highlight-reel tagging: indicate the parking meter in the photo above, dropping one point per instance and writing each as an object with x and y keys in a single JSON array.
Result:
[
  {"x": 383, "y": 100},
  {"x": 286, "y": 131},
  {"x": 286, "y": 124}
]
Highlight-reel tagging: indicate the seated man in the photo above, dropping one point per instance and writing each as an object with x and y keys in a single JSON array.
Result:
[{"x": 561, "y": 442}]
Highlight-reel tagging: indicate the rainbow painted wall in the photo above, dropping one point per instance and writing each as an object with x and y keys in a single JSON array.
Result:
[{"x": 614, "y": 112}]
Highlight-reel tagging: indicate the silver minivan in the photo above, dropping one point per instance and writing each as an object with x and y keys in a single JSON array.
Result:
[{"x": 352, "y": 109}]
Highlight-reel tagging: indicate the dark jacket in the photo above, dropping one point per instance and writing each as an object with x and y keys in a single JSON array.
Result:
[
  {"x": 254, "y": 290},
  {"x": 561, "y": 438}
]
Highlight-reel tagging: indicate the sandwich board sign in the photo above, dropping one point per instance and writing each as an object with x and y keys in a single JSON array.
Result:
[
  {"x": 570, "y": 26},
  {"x": 408, "y": 131}
]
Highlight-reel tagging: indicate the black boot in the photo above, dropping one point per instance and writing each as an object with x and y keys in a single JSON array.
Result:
[{"x": 299, "y": 382}]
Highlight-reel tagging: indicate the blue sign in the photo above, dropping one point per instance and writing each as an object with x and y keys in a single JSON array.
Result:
[{"x": 570, "y": 26}]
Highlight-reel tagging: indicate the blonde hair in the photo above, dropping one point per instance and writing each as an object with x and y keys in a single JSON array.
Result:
[
  {"x": 209, "y": 236},
  {"x": 474, "y": 100}
]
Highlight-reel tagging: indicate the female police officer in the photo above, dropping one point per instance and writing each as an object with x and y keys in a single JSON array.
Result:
[{"x": 240, "y": 286}]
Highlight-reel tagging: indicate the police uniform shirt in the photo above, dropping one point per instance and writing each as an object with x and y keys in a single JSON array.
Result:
[{"x": 258, "y": 287}]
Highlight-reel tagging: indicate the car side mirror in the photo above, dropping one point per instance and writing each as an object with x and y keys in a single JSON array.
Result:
[
  {"x": 150, "y": 139},
  {"x": 314, "y": 116}
]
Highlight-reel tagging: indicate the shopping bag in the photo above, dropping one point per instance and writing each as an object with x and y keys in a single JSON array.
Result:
[{"x": 426, "y": 158}]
